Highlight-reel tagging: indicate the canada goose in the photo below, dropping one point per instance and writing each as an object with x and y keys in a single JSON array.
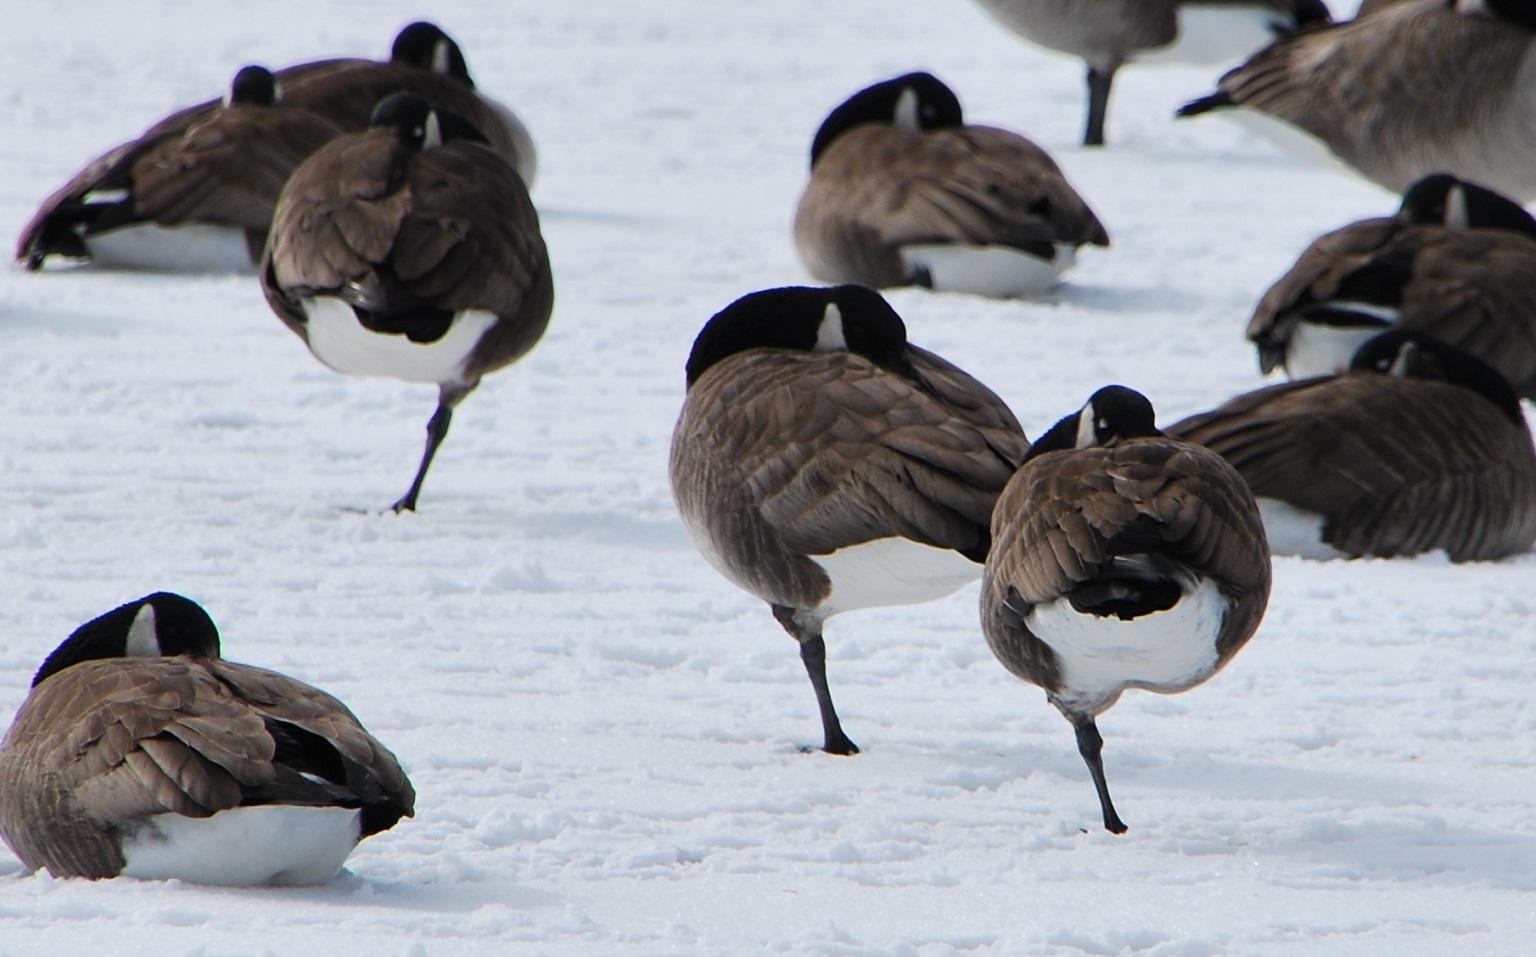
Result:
[
  {"x": 1419, "y": 447},
  {"x": 1457, "y": 262},
  {"x": 1121, "y": 558},
  {"x": 1110, "y": 33},
  {"x": 825, "y": 464},
  {"x": 412, "y": 251},
  {"x": 141, "y": 753},
  {"x": 903, "y": 192},
  {"x": 197, "y": 198},
  {"x": 1413, "y": 89}
]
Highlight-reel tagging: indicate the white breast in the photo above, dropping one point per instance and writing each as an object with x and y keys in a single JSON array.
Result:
[
  {"x": 998, "y": 271},
  {"x": 1317, "y": 349},
  {"x": 892, "y": 571},
  {"x": 341, "y": 342},
  {"x": 198, "y": 247},
  {"x": 1101, "y": 656},
  {"x": 243, "y": 847}
]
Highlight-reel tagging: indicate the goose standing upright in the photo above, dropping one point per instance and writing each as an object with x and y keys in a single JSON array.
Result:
[
  {"x": 1416, "y": 88},
  {"x": 1121, "y": 558},
  {"x": 825, "y": 464},
  {"x": 141, "y": 753},
  {"x": 411, "y": 251},
  {"x": 1107, "y": 34},
  {"x": 902, "y": 192}
]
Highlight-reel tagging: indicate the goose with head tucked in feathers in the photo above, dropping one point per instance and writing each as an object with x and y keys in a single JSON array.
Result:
[
  {"x": 200, "y": 197},
  {"x": 1413, "y": 89},
  {"x": 1121, "y": 558},
  {"x": 413, "y": 251},
  {"x": 1107, "y": 34},
  {"x": 1457, "y": 263},
  {"x": 141, "y": 753},
  {"x": 1418, "y": 447},
  {"x": 824, "y": 464},
  {"x": 903, "y": 192}
]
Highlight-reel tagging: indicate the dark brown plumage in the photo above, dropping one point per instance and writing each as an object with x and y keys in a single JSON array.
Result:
[
  {"x": 1413, "y": 89},
  {"x": 224, "y": 169},
  {"x": 103, "y": 745},
  {"x": 410, "y": 250},
  {"x": 1388, "y": 464},
  {"x": 895, "y": 169},
  {"x": 1121, "y": 558},
  {"x": 787, "y": 453}
]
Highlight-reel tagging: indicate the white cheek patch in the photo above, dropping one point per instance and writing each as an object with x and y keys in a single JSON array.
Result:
[
  {"x": 142, "y": 640},
  {"x": 432, "y": 132},
  {"x": 1456, "y": 214},
  {"x": 440, "y": 57},
  {"x": 906, "y": 111},
  {"x": 1087, "y": 438},
  {"x": 829, "y": 335}
]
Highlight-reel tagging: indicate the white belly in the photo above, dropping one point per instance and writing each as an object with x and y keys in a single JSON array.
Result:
[
  {"x": 193, "y": 248},
  {"x": 1101, "y": 656},
  {"x": 1317, "y": 349},
  {"x": 1294, "y": 531},
  {"x": 1000, "y": 272},
  {"x": 1213, "y": 36},
  {"x": 892, "y": 571},
  {"x": 1290, "y": 140},
  {"x": 341, "y": 342},
  {"x": 242, "y": 847}
]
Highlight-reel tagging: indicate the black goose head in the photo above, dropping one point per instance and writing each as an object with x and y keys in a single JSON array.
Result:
[
  {"x": 1445, "y": 200},
  {"x": 810, "y": 319},
  {"x": 425, "y": 46},
  {"x": 254, "y": 85},
  {"x": 1113, "y": 413},
  {"x": 1519, "y": 12},
  {"x": 163, "y": 623},
  {"x": 916, "y": 101},
  {"x": 1413, "y": 355},
  {"x": 420, "y": 126}
]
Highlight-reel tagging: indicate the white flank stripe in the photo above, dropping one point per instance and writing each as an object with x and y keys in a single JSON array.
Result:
[
  {"x": 1101, "y": 656},
  {"x": 195, "y": 248},
  {"x": 341, "y": 342},
  {"x": 892, "y": 571},
  {"x": 1000, "y": 272},
  {"x": 1294, "y": 531},
  {"x": 243, "y": 847}
]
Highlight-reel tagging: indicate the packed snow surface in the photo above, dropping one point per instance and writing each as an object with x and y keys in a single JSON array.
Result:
[{"x": 606, "y": 736}]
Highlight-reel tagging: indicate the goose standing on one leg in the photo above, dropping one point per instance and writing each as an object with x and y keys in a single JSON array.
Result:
[
  {"x": 199, "y": 197},
  {"x": 411, "y": 251},
  {"x": 903, "y": 192},
  {"x": 1457, "y": 262},
  {"x": 824, "y": 464},
  {"x": 1121, "y": 558},
  {"x": 1107, "y": 34},
  {"x": 141, "y": 753}
]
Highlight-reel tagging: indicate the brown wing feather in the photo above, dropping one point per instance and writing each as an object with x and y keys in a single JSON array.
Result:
[
  {"x": 778, "y": 455},
  {"x": 878, "y": 188},
  {"x": 1395, "y": 466}
]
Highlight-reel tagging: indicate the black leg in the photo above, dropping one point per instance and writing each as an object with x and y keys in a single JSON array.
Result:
[
  {"x": 1098, "y": 104},
  {"x": 813, "y": 652},
  {"x": 437, "y": 430},
  {"x": 1091, "y": 747}
]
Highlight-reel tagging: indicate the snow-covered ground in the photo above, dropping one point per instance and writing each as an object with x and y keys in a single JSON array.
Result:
[{"x": 603, "y": 732}]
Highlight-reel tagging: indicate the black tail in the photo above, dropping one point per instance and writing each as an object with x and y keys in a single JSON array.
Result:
[{"x": 1216, "y": 101}]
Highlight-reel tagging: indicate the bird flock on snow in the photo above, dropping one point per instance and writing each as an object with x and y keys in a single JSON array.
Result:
[{"x": 822, "y": 461}]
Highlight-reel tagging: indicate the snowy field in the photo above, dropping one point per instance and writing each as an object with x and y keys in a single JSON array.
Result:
[{"x": 604, "y": 734}]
